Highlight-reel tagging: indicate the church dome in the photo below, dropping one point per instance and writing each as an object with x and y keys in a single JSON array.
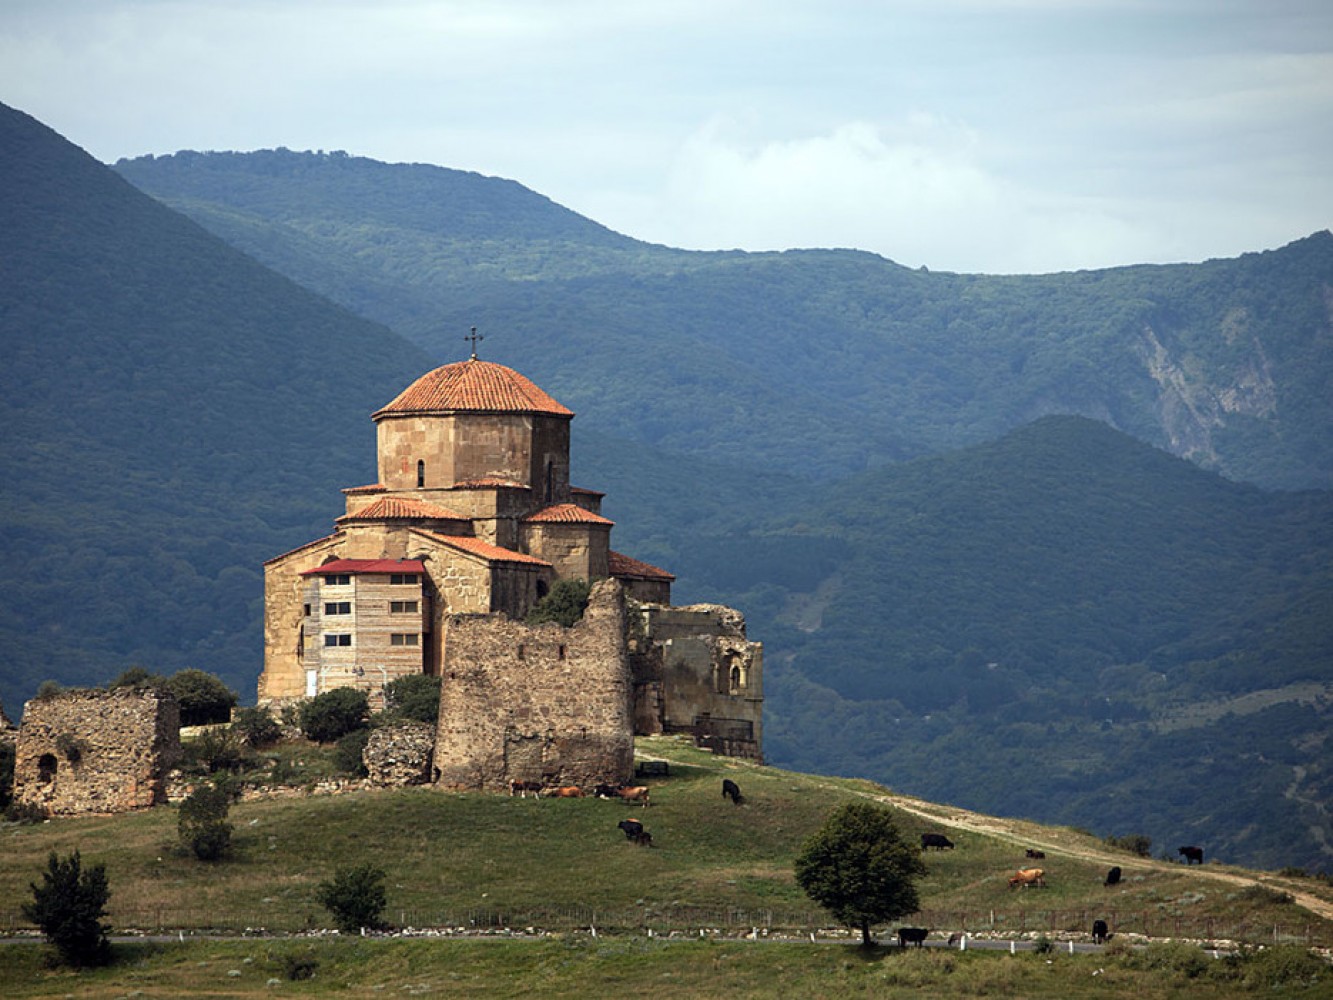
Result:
[{"x": 476, "y": 387}]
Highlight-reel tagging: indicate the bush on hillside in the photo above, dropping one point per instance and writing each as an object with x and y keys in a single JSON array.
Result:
[
  {"x": 332, "y": 715},
  {"x": 203, "y": 698},
  {"x": 137, "y": 678},
  {"x": 355, "y": 897},
  {"x": 68, "y": 907},
  {"x": 256, "y": 727},
  {"x": 202, "y": 824},
  {"x": 1135, "y": 843},
  {"x": 214, "y": 751},
  {"x": 350, "y": 753},
  {"x": 415, "y": 698}
]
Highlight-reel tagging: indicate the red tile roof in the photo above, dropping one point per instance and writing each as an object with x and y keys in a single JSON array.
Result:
[
  {"x": 391, "y": 508},
  {"x": 478, "y": 386},
  {"x": 567, "y": 513},
  {"x": 623, "y": 565},
  {"x": 372, "y": 488},
  {"x": 354, "y": 566},
  {"x": 485, "y": 549}
]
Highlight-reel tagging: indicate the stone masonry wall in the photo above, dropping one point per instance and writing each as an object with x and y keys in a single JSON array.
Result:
[
  {"x": 536, "y": 703},
  {"x": 96, "y": 751}
]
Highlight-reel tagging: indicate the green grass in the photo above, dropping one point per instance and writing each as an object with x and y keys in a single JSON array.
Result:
[
  {"x": 478, "y": 860},
  {"x": 578, "y": 966}
]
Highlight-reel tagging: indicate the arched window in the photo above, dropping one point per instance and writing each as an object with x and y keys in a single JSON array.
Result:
[{"x": 421, "y": 474}]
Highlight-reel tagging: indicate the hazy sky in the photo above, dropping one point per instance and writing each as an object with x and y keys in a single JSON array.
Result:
[{"x": 965, "y": 135}]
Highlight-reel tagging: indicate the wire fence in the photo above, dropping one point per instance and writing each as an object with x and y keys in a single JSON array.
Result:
[{"x": 729, "y": 921}]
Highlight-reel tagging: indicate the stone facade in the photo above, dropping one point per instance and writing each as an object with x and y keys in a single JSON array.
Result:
[
  {"x": 400, "y": 755},
  {"x": 96, "y": 751},
  {"x": 536, "y": 702},
  {"x": 696, "y": 672}
]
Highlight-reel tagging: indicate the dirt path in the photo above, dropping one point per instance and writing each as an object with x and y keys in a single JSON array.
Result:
[{"x": 1027, "y": 835}]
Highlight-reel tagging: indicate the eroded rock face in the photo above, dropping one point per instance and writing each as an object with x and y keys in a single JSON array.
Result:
[
  {"x": 400, "y": 755},
  {"x": 96, "y": 751}
]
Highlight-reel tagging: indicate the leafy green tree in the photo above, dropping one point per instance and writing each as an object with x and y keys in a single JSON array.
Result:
[
  {"x": 415, "y": 697},
  {"x": 859, "y": 868},
  {"x": 333, "y": 714},
  {"x": 350, "y": 752},
  {"x": 136, "y": 677},
  {"x": 256, "y": 727},
  {"x": 565, "y": 603},
  {"x": 355, "y": 897},
  {"x": 202, "y": 697},
  {"x": 202, "y": 824},
  {"x": 68, "y": 907}
]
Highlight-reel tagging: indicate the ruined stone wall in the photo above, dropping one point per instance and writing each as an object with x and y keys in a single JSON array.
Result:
[
  {"x": 695, "y": 671},
  {"x": 96, "y": 751},
  {"x": 536, "y": 703},
  {"x": 399, "y": 755}
]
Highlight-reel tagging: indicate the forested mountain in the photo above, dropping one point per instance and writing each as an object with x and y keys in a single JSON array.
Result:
[
  {"x": 1058, "y": 620},
  {"x": 815, "y": 363}
]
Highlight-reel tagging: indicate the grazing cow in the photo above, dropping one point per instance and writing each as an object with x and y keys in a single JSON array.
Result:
[
  {"x": 1035, "y": 855},
  {"x": 1025, "y": 877},
  {"x": 606, "y": 791},
  {"x": 634, "y": 793},
  {"x": 936, "y": 840},
  {"x": 634, "y": 831},
  {"x": 1099, "y": 934},
  {"x": 564, "y": 792},
  {"x": 911, "y": 935},
  {"x": 521, "y": 788},
  {"x": 731, "y": 790},
  {"x": 1113, "y": 876},
  {"x": 1192, "y": 855}
]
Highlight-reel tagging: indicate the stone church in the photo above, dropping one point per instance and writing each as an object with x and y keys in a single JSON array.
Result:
[{"x": 432, "y": 568}]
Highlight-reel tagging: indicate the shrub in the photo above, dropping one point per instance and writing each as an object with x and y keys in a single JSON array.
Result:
[
  {"x": 256, "y": 727},
  {"x": 68, "y": 907},
  {"x": 138, "y": 678},
  {"x": 416, "y": 697},
  {"x": 202, "y": 697},
  {"x": 1135, "y": 843},
  {"x": 213, "y": 751},
  {"x": 565, "y": 603},
  {"x": 1043, "y": 945},
  {"x": 350, "y": 753},
  {"x": 1284, "y": 965},
  {"x": 49, "y": 689},
  {"x": 334, "y": 714},
  {"x": 299, "y": 967},
  {"x": 355, "y": 897},
  {"x": 202, "y": 824},
  {"x": 1262, "y": 894},
  {"x": 6, "y": 773}
]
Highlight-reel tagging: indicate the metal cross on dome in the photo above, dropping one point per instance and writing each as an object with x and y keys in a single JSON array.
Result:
[{"x": 474, "y": 336}]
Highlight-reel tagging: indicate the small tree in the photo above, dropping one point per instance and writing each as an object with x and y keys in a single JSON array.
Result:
[
  {"x": 859, "y": 868},
  {"x": 202, "y": 824},
  {"x": 355, "y": 897},
  {"x": 137, "y": 677},
  {"x": 565, "y": 603},
  {"x": 256, "y": 727},
  {"x": 415, "y": 697},
  {"x": 350, "y": 752},
  {"x": 333, "y": 714},
  {"x": 68, "y": 907},
  {"x": 202, "y": 697}
]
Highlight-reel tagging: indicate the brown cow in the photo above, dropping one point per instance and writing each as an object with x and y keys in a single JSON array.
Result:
[
  {"x": 1028, "y": 876},
  {"x": 564, "y": 792},
  {"x": 634, "y": 793}
]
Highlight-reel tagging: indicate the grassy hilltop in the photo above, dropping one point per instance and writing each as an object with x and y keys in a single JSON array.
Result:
[{"x": 716, "y": 873}]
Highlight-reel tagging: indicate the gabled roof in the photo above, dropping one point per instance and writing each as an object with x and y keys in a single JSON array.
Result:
[
  {"x": 473, "y": 386},
  {"x": 402, "y": 508},
  {"x": 623, "y": 566},
  {"x": 567, "y": 513},
  {"x": 487, "y": 551},
  {"x": 359, "y": 566}
]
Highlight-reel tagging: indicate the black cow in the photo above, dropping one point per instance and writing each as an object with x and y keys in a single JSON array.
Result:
[
  {"x": 1113, "y": 876},
  {"x": 1035, "y": 854},
  {"x": 936, "y": 840},
  {"x": 731, "y": 790},
  {"x": 634, "y": 831},
  {"x": 1192, "y": 855},
  {"x": 606, "y": 791},
  {"x": 1099, "y": 934},
  {"x": 912, "y": 935}
]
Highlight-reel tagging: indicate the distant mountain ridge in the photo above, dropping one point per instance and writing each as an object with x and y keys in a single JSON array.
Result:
[
  {"x": 1224, "y": 362},
  {"x": 176, "y": 413}
]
